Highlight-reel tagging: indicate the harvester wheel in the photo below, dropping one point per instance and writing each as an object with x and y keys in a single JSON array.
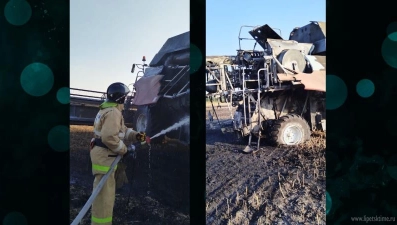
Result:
[
  {"x": 291, "y": 129},
  {"x": 147, "y": 121},
  {"x": 141, "y": 119}
]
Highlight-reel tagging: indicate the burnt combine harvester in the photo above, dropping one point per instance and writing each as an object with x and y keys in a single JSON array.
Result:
[
  {"x": 159, "y": 96},
  {"x": 278, "y": 92}
]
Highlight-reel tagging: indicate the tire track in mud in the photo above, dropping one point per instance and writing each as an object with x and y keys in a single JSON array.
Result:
[
  {"x": 230, "y": 186},
  {"x": 239, "y": 159}
]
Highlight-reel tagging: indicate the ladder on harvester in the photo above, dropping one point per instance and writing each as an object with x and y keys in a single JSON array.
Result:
[
  {"x": 184, "y": 71},
  {"x": 247, "y": 99}
]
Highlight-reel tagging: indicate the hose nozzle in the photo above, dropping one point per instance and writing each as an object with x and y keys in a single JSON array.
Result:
[{"x": 148, "y": 140}]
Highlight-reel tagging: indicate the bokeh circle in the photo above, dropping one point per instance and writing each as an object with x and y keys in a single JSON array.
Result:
[
  {"x": 391, "y": 28},
  {"x": 37, "y": 79},
  {"x": 17, "y": 12},
  {"x": 392, "y": 167},
  {"x": 392, "y": 36},
  {"x": 15, "y": 218},
  {"x": 58, "y": 138},
  {"x": 196, "y": 58},
  {"x": 63, "y": 95},
  {"x": 328, "y": 203},
  {"x": 389, "y": 50},
  {"x": 336, "y": 92},
  {"x": 365, "y": 88}
]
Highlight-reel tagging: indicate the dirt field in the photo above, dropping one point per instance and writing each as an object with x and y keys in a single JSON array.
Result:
[
  {"x": 274, "y": 186},
  {"x": 159, "y": 195}
]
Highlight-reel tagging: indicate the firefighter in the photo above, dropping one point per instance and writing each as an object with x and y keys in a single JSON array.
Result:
[{"x": 111, "y": 134}]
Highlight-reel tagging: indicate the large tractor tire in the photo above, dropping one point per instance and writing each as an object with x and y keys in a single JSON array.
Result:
[
  {"x": 291, "y": 129},
  {"x": 141, "y": 119},
  {"x": 146, "y": 121}
]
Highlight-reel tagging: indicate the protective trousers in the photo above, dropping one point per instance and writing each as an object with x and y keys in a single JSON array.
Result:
[
  {"x": 102, "y": 207},
  {"x": 110, "y": 130}
]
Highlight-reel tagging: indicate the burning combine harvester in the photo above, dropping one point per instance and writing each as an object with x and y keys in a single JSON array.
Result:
[
  {"x": 161, "y": 94},
  {"x": 279, "y": 92},
  {"x": 159, "y": 98}
]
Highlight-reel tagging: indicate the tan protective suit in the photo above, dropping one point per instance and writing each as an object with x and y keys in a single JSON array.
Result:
[{"x": 110, "y": 128}]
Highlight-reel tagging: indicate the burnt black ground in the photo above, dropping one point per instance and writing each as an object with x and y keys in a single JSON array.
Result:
[
  {"x": 245, "y": 188},
  {"x": 168, "y": 198}
]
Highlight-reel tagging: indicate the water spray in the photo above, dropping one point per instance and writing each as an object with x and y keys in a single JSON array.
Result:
[
  {"x": 173, "y": 127},
  {"x": 148, "y": 139}
]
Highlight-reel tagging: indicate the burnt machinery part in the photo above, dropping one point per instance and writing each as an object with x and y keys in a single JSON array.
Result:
[
  {"x": 177, "y": 43},
  {"x": 154, "y": 118},
  {"x": 178, "y": 59},
  {"x": 173, "y": 63},
  {"x": 212, "y": 88},
  {"x": 292, "y": 59},
  {"x": 146, "y": 120},
  {"x": 129, "y": 112},
  {"x": 291, "y": 129},
  {"x": 167, "y": 112}
]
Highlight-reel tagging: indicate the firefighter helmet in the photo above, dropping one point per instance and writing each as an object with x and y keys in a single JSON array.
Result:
[{"x": 117, "y": 92}]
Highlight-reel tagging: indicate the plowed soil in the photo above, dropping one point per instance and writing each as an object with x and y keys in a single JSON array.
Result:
[
  {"x": 159, "y": 195},
  {"x": 276, "y": 185}
]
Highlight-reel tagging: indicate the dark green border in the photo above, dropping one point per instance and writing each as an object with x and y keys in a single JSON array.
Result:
[
  {"x": 197, "y": 115},
  {"x": 357, "y": 132},
  {"x": 34, "y": 178}
]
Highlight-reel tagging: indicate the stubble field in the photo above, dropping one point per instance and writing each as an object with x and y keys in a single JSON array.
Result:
[
  {"x": 276, "y": 185},
  {"x": 155, "y": 195}
]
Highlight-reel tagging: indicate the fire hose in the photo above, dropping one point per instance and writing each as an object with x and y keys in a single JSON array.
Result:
[{"x": 84, "y": 210}]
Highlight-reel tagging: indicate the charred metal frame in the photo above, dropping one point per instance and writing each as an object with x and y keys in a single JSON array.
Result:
[
  {"x": 183, "y": 73},
  {"x": 270, "y": 81}
]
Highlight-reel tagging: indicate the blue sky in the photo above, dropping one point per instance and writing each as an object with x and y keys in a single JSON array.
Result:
[
  {"x": 224, "y": 19},
  {"x": 106, "y": 37}
]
